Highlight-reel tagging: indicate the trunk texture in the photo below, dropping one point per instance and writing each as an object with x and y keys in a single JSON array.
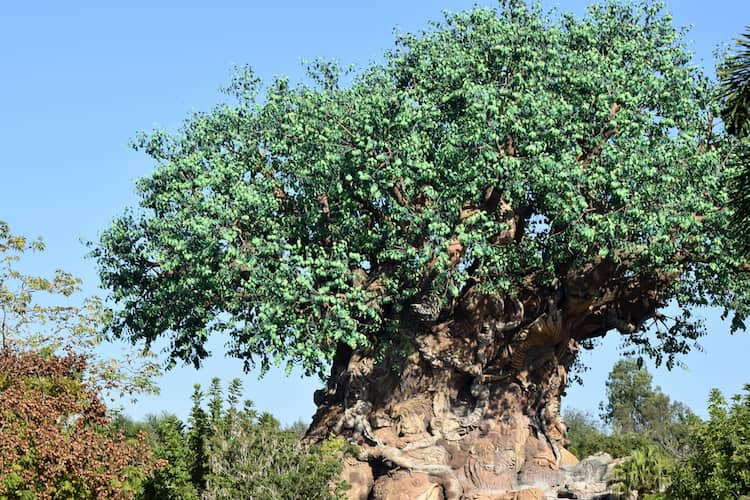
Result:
[
  {"x": 472, "y": 412},
  {"x": 472, "y": 409}
]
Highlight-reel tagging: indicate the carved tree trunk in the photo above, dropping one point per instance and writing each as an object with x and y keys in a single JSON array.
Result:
[{"x": 472, "y": 411}]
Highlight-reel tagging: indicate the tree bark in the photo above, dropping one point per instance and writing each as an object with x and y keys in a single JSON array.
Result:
[{"x": 472, "y": 408}]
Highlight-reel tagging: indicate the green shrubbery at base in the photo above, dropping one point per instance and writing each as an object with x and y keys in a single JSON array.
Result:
[
  {"x": 229, "y": 451},
  {"x": 670, "y": 452}
]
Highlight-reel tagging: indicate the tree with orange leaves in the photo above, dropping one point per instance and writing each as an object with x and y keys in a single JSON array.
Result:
[{"x": 55, "y": 438}]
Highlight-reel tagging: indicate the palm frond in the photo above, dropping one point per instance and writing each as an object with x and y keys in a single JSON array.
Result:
[
  {"x": 740, "y": 193},
  {"x": 735, "y": 88},
  {"x": 734, "y": 78}
]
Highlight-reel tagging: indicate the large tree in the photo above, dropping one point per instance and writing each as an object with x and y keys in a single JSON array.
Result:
[
  {"x": 445, "y": 233},
  {"x": 633, "y": 407}
]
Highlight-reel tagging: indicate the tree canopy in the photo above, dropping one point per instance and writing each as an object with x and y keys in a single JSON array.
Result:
[
  {"x": 507, "y": 151},
  {"x": 719, "y": 464}
]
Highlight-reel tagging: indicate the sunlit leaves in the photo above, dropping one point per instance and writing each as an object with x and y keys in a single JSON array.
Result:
[
  {"x": 314, "y": 214},
  {"x": 42, "y": 314},
  {"x": 720, "y": 464}
]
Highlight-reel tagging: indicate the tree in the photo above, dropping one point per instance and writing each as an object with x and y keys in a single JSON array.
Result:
[
  {"x": 200, "y": 432},
  {"x": 56, "y": 323},
  {"x": 634, "y": 406},
  {"x": 720, "y": 464},
  {"x": 735, "y": 92},
  {"x": 54, "y": 439},
  {"x": 171, "y": 481},
  {"x": 215, "y": 402},
  {"x": 445, "y": 233}
]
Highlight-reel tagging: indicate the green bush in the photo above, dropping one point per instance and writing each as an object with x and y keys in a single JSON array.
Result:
[
  {"x": 586, "y": 437},
  {"x": 251, "y": 456},
  {"x": 647, "y": 470},
  {"x": 719, "y": 466},
  {"x": 230, "y": 452}
]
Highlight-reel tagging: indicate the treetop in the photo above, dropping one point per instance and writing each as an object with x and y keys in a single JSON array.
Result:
[{"x": 505, "y": 152}]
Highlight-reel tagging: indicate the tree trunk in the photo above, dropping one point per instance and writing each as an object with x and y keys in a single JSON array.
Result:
[{"x": 472, "y": 410}]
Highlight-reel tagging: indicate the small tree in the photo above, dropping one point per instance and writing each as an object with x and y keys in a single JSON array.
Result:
[
  {"x": 215, "y": 403},
  {"x": 200, "y": 431},
  {"x": 172, "y": 480},
  {"x": 720, "y": 464},
  {"x": 54, "y": 437}
]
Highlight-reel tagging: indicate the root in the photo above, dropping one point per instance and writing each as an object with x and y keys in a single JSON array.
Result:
[
  {"x": 397, "y": 458},
  {"x": 443, "y": 473},
  {"x": 545, "y": 432}
]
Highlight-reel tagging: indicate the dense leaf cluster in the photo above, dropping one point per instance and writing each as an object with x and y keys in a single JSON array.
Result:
[
  {"x": 228, "y": 450},
  {"x": 54, "y": 438},
  {"x": 720, "y": 464},
  {"x": 501, "y": 150},
  {"x": 647, "y": 471}
]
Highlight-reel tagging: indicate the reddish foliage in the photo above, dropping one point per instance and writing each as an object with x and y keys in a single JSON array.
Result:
[{"x": 55, "y": 439}]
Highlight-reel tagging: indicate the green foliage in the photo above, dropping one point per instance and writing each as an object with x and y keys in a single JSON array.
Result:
[
  {"x": 587, "y": 437},
  {"x": 633, "y": 406},
  {"x": 647, "y": 470},
  {"x": 735, "y": 91},
  {"x": 232, "y": 451},
  {"x": 215, "y": 402},
  {"x": 172, "y": 479},
  {"x": 670, "y": 452},
  {"x": 57, "y": 323},
  {"x": 735, "y": 88},
  {"x": 250, "y": 456},
  {"x": 312, "y": 214},
  {"x": 640, "y": 416},
  {"x": 720, "y": 464},
  {"x": 254, "y": 458},
  {"x": 200, "y": 432}
]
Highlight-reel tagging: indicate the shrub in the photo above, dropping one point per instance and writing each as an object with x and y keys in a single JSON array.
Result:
[{"x": 55, "y": 439}]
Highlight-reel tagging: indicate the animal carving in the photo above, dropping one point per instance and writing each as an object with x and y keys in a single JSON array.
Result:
[{"x": 412, "y": 416}]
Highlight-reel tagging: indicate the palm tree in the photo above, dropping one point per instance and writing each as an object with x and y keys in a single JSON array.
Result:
[
  {"x": 735, "y": 90},
  {"x": 646, "y": 471}
]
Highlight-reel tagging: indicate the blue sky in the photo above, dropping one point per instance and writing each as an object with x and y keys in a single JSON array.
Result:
[{"x": 78, "y": 80}]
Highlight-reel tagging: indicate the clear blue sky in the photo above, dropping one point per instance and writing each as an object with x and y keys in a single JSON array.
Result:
[{"x": 79, "y": 79}]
